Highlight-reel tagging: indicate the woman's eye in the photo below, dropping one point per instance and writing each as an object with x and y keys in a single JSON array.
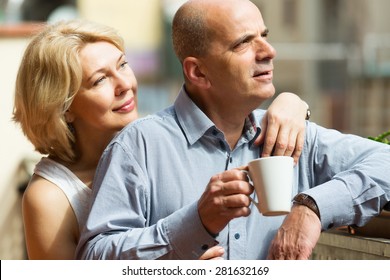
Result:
[
  {"x": 124, "y": 64},
  {"x": 99, "y": 81}
]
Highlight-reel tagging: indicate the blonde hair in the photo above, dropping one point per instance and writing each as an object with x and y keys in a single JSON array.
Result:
[{"x": 48, "y": 79}]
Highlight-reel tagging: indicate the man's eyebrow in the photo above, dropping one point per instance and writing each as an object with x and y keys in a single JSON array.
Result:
[{"x": 242, "y": 39}]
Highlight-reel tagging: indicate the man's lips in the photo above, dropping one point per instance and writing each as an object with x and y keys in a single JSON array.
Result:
[{"x": 263, "y": 74}]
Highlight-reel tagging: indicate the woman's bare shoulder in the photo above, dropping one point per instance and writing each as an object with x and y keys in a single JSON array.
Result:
[
  {"x": 51, "y": 227},
  {"x": 43, "y": 193}
]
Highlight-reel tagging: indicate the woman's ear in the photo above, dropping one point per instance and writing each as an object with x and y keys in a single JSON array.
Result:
[
  {"x": 69, "y": 117},
  {"x": 193, "y": 70}
]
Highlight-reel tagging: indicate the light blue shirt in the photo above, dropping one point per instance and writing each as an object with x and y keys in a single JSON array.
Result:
[{"x": 152, "y": 174}]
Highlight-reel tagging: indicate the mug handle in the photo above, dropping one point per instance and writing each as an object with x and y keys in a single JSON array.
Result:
[{"x": 254, "y": 202}]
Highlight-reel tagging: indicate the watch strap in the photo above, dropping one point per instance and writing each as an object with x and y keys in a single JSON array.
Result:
[
  {"x": 308, "y": 112},
  {"x": 308, "y": 201}
]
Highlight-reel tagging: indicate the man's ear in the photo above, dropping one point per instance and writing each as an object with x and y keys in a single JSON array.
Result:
[{"x": 194, "y": 72}]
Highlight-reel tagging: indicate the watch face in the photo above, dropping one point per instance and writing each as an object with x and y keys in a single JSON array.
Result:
[{"x": 308, "y": 114}]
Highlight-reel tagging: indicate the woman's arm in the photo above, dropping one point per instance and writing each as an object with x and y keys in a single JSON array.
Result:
[
  {"x": 51, "y": 228},
  {"x": 213, "y": 253}
]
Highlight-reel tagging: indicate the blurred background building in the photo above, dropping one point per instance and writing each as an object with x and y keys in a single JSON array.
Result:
[{"x": 335, "y": 54}]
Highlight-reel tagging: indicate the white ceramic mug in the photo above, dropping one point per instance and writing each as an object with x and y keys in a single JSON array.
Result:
[{"x": 272, "y": 179}]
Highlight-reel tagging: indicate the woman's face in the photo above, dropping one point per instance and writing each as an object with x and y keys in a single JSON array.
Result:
[{"x": 107, "y": 99}]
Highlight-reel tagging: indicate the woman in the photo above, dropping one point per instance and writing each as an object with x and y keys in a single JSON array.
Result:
[{"x": 74, "y": 92}]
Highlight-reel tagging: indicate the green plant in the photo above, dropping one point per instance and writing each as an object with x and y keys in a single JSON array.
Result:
[{"x": 381, "y": 137}]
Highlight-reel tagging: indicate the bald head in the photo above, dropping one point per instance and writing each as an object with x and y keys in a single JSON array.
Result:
[
  {"x": 189, "y": 34},
  {"x": 191, "y": 28}
]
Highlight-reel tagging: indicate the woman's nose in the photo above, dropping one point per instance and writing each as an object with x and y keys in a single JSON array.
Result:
[{"x": 123, "y": 83}]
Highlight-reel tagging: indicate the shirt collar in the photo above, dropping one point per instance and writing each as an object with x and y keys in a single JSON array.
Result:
[
  {"x": 252, "y": 127},
  {"x": 192, "y": 120},
  {"x": 195, "y": 123}
]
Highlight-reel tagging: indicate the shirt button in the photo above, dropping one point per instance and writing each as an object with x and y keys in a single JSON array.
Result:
[
  {"x": 205, "y": 247},
  {"x": 237, "y": 236}
]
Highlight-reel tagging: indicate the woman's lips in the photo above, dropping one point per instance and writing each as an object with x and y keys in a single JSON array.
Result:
[{"x": 128, "y": 106}]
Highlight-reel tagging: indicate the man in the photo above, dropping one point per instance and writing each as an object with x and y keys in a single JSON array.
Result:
[{"x": 154, "y": 195}]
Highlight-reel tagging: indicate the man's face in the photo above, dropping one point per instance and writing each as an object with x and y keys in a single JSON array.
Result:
[{"x": 239, "y": 61}]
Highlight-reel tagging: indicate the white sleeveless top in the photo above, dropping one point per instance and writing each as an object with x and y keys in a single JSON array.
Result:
[{"x": 76, "y": 191}]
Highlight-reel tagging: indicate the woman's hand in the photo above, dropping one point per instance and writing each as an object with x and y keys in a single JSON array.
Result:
[
  {"x": 283, "y": 127},
  {"x": 213, "y": 253}
]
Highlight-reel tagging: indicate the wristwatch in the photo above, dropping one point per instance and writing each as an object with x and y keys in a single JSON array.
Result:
[
  {"x": 308, "y": 112},
  {"x": 304, "y": 199}
]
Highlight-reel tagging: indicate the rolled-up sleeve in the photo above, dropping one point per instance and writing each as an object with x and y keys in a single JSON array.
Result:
[{"x": 350, "y": 176}]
